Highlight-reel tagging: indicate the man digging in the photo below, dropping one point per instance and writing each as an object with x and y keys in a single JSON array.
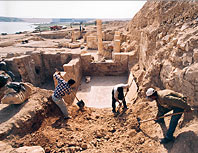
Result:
[
  {"x": 118, "y": 94},
  {"x": 61, "y": 90},
  {"x": 168, "y": 100}
]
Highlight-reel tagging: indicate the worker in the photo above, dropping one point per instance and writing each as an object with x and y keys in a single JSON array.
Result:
[
  {"x": 168, "y": 100},
  {"x": 61, "y": 90},
  {"x": 4, "y": 67},
  {"x": 118, "y": 94},
  {"x": 3, "y": 82},
  {"x": 13, "y": 92}
]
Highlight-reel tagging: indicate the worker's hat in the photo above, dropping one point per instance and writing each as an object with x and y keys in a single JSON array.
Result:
[{"x": 150, "y": 92}]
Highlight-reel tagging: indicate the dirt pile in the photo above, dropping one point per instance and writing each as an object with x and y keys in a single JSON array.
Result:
[{"x": 97, "y": 130}]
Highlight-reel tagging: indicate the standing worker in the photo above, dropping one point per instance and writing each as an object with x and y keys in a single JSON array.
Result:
[
  {"x": 168, "y": 100},
  {"x": 61, "y": 89},
  {"x": 118, "y": 94}
]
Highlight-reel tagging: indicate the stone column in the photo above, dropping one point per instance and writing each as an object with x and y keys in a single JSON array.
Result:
[
  {"x": 99, "y": 34},
  {"x": 73, "y": 36},
  {"x": 117, "y": 35},
  {"x": 116, "y": 48}
]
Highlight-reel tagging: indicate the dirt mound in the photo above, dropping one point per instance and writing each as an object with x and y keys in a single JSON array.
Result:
[
  {"x": 97, "y": 130},
  {"x": 30, "y": 114}
]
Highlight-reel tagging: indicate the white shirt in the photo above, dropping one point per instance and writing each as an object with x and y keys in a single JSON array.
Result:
[{"x": 115, "y": 89}]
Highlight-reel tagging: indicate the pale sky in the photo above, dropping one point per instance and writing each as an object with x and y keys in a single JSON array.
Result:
[{"x": 70, "y": 9}]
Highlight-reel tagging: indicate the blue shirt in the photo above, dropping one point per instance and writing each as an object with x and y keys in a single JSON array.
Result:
[{"x": 62, "y": 88}]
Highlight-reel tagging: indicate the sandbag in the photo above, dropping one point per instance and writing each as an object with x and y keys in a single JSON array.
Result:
[
  {"x": 17, "y": 97},
  {"x": 17, "y": 86}
]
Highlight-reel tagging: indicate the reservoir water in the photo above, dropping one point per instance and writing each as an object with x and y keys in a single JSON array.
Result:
[{"x": 13, "y": 27}]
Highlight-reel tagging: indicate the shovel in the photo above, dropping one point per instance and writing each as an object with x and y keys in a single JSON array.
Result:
[
  {"x": 156, "y": 118},
  {"x": 80, "y": 103}
]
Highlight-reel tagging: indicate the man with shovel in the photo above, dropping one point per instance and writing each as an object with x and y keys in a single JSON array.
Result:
[
  {"x": 118, "y": 94},
  {"x": 168, "y": 100},
  {"x": 61, "y": 89}
]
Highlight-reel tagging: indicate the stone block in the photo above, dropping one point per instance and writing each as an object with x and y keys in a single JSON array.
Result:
[
  {"x": 117, "y": 32},
  {"x": 117, "y": 47},
  {"x": 86, "y": 58},
  {"x": 132, "y": 58},
  {"x": 73, "y": 69},
  {"x": 74, "y": 45},
  {"x": 92, "y": 42},
  {"x": 116, "y": 57},
  {"x": 124, "y": 59},
  {"x": 116, "y": 37}
]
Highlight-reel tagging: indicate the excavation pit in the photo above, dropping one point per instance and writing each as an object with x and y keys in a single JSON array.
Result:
[
  {"x": 97, "y": 93},
  {"x": 38, "y": 68}
]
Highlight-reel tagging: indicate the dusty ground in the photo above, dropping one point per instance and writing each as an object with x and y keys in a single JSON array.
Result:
[{"x": 98, "y": 130}]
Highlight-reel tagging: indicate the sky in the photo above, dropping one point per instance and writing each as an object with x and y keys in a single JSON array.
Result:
[{"x": 70, "y": 9}]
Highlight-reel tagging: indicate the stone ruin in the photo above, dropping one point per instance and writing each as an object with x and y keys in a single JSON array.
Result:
[{"x": 38, "y": 67}]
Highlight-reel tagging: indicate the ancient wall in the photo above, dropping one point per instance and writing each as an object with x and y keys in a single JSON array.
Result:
[
  {"x": 117, "y": 66},
  {"x": 38, "y": 68},
  {"x": 54, "y": 35},
  {"x": 72, "y": 70},
  {"x": 60, "y": 34}
]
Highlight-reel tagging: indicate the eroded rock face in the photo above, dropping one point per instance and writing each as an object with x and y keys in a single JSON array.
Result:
[{"x": 167, "y": 34}]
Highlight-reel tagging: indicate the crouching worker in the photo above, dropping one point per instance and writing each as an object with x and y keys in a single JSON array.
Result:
[
  {"x": 118, "y": 94},
  {"x": 3, "y": 81},
  {"x": 4, "y": 67},
  {"x": 16, "y": 93},
  {"x": 168, "y": 100},
  {"x": 61, "y": 89}
]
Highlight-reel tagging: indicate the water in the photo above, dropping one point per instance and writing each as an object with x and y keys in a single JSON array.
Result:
[{"x": 13, "y": 27}]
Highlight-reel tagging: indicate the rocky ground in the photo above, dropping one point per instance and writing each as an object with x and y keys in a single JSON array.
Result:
[{"x": 94, "y": 130}]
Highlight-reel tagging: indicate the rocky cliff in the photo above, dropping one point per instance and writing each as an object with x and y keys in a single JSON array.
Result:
[{"x": 167, "y": 34}]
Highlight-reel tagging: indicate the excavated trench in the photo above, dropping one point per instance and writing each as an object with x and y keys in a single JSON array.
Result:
[{"x": 38, "y": 69}]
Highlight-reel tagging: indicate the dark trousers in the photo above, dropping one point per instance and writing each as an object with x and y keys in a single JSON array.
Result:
[
  {"x": 174, "y": 119},
  {"x": 114, "y": 102}
]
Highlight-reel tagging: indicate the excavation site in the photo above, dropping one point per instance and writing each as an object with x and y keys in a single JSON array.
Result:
[{"x": 157, "y": 49}]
